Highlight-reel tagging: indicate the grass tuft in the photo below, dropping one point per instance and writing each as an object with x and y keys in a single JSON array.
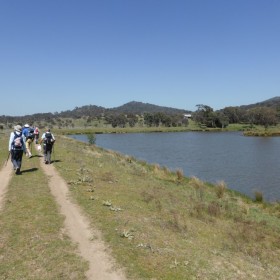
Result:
[
  {"x": 180, "y": 175},
  {"x": 220, "y": 189}
]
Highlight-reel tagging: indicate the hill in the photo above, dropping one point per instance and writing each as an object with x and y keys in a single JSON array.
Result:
[
  {"x": 272, "y": 102},
  {"x": 139, "y": 108},
  {"x": 93, "y": 111},
  {"x": 133, "y": 107}
]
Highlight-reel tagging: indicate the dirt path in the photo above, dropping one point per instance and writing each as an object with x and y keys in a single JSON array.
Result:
[
  {"x": 5, "y": 176},
  {"x": 90, "y": 244},
  {"x": 91, "y": 247}
]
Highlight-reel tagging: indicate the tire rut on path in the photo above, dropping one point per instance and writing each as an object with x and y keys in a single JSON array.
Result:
[
  {"x": 90, "y": 245},
  {"x": 5, "y": 177}
]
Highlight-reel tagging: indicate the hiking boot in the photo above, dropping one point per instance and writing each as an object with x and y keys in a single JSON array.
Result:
[
  {"x": 46, "y": 162},
  {"x": 17, "y": 171}
]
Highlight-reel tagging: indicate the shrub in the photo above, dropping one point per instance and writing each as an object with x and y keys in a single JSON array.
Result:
[
  {"x": 91, "y": 138},
  {"x": 258, "y": 196}
]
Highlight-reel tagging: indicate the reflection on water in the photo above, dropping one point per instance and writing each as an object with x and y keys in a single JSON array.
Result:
[{"x": 246, "y": 164}]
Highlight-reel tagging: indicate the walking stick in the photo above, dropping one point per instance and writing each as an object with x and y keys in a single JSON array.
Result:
[
  {"x": 7, "y": 158},
  {"x": 53, "y": 154}
]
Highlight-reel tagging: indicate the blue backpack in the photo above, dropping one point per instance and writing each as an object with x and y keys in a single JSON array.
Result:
[
  {"x": 30, "y": 133},
  {"x": 17, "y": 142}
]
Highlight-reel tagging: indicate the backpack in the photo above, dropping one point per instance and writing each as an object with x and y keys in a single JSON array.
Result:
[
  {"x": 48, "y": 138},
  {"x": 30, "y": 133},
  {"x": 17, "y": 142}
]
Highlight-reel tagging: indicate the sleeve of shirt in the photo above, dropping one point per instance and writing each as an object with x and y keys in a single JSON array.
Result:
[{"x": 10, "y": 141}]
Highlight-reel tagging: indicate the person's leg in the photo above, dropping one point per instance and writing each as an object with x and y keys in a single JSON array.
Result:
[
  {"x": 19, "y": 161},
  {"x": 45, "y": 152},
  {"x": 48, "y": 157},
  {"x": 13, "y": 159},
  {"x": 28, "y": 147},
  {"x": 50, "y": 153}
]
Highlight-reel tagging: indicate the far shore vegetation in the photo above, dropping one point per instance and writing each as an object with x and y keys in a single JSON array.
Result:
[{"x": 261, "y": 119}]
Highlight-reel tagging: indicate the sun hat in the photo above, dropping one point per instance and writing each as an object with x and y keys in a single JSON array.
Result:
[
  {"x": 26, "y": 125},
  {"x": 17, "y": 128}
]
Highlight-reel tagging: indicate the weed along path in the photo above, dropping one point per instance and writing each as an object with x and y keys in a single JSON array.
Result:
[
  {"x": 5, "y": 176},
  {"x": 90, "y": 244}
]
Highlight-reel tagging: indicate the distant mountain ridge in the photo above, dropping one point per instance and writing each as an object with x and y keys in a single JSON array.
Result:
[
  {"x": 139, "y": 108},
  {"x": 136, "y": 107},
  {"x": 272, "y": 102},
  {"x": 133, "y": 107}
]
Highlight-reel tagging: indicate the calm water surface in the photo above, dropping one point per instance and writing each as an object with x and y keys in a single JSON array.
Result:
[{"x": 246, "y": 164}]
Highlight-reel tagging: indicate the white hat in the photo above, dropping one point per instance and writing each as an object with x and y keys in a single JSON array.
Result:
[
  {"x": 17, "y": 128},
  {"x": 26, "y": 125}
]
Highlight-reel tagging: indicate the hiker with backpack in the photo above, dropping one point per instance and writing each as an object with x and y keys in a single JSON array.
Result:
[
  {"x": 16, "y": 148},
  {"x": 48, "y": 141},
  {"x": 28, "y": 136}
]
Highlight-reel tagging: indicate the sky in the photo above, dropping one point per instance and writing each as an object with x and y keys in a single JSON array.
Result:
[{"x": 56, "y": 55}]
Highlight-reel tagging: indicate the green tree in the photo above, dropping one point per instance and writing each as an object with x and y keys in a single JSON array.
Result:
[
  {"x": 263, "y": 116},
  {"x": 91, "y": 138},
  {"x": 205, "y": 115}
]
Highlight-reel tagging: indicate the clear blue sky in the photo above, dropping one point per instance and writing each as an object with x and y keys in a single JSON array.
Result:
[{"x": 59, "y": 54}]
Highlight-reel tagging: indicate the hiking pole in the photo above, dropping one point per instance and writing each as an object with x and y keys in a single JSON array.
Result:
[
  {"x": 53, "y": 154},
  {"x": 8, "y": 158}
]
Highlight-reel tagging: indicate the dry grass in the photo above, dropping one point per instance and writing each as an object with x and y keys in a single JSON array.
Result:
[
  {"x": 220, "y": 189},
  {"x": 167, "y": 230},
  {"x": 159, "y": 229}
]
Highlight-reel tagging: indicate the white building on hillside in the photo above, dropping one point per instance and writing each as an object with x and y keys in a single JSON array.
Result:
[{"x": 187, "y": 116}]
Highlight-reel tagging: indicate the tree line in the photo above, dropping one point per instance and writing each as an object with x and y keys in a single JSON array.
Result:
[
  {"x": 266, "y": 116},
  {"x": 205, "y": 116}
]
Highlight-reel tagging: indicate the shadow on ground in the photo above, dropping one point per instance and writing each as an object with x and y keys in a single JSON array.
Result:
[{"x": 29, "y": 170}]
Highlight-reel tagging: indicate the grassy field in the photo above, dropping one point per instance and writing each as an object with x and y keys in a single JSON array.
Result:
[
  {"x": 159, "y": 224},
  {"x": 248, "y": 130},
  {"x": 32, "y": 242}
]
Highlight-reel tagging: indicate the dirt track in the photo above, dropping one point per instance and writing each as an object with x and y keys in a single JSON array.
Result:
[{"x": 90, "y": 244}]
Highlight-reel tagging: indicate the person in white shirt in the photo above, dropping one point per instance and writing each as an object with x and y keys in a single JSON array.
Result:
[{"x": 16, "y": 148}]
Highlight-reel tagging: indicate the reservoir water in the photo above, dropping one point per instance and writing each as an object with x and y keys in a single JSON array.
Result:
[{"x": 245, "y": 164}]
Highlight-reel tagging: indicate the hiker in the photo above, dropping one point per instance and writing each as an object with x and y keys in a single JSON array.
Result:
[
  {"x": 28, "y": 136},
  {"x": 48, "y": 141},
  {"x": 37, "y": 134},
  {"x": 16, "y": 148}
]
